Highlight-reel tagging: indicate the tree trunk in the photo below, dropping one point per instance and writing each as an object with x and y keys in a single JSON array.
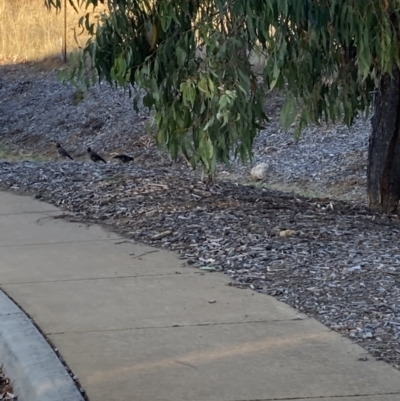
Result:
[{"x": 383, "y": 188}]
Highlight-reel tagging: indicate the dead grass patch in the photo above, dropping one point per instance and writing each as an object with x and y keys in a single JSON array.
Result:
[{"x": 29, "y": 32}]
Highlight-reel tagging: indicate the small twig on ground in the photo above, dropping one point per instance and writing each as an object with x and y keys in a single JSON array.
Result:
[
  {"x": 67, "y": 217},
  {"x": 142, "y": 254}
]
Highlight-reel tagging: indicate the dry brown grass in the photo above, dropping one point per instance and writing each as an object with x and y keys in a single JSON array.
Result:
[{"x": 29, "y": 32}]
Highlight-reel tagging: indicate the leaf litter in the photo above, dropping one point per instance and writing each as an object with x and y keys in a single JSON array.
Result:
[{"x": 6, "y": 388}]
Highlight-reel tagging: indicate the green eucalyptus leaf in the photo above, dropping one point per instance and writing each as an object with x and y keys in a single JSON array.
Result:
[{"x": 288, "y": 113}]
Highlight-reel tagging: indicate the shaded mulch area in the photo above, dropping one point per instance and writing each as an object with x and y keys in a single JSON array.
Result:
[{"x": 36, "y": 109}]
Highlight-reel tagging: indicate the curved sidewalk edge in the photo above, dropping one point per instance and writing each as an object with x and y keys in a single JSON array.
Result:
[{"x": 29, "y": 361}]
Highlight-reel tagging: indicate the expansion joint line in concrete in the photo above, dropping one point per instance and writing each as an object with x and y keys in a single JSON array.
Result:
[
  {"x": 101, "y": 278},
  {"x": 176, "y": 326},
  {"x": 323, "y": 397},
  {"x": 58, "y": 243},
  {"x": 22, "y": 213}
]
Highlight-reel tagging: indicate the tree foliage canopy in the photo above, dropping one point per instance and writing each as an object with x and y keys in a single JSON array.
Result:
[{"x": 190, "y": 57}]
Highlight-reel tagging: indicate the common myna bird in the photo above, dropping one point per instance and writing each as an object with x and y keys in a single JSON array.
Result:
[
  {"x": 124, "y": 158},
  {"x": 94, "y": 156},
  {"x": 62, "y": 152}
]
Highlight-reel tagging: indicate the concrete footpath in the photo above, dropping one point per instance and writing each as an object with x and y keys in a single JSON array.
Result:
[{"x": 134, "y": 324}]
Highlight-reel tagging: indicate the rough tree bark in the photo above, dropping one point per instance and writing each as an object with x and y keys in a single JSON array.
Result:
[{"x": 383, "y": 187}]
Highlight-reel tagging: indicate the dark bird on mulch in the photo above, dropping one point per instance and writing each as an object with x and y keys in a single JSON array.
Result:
[
  {"x": 62, "y": 152},
  {"x": 124, "y": 158},
  {"x": 94, "y": 156}
]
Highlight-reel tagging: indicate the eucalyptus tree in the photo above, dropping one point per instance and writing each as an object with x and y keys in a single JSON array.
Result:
[{"x": 334, "y": 60}]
